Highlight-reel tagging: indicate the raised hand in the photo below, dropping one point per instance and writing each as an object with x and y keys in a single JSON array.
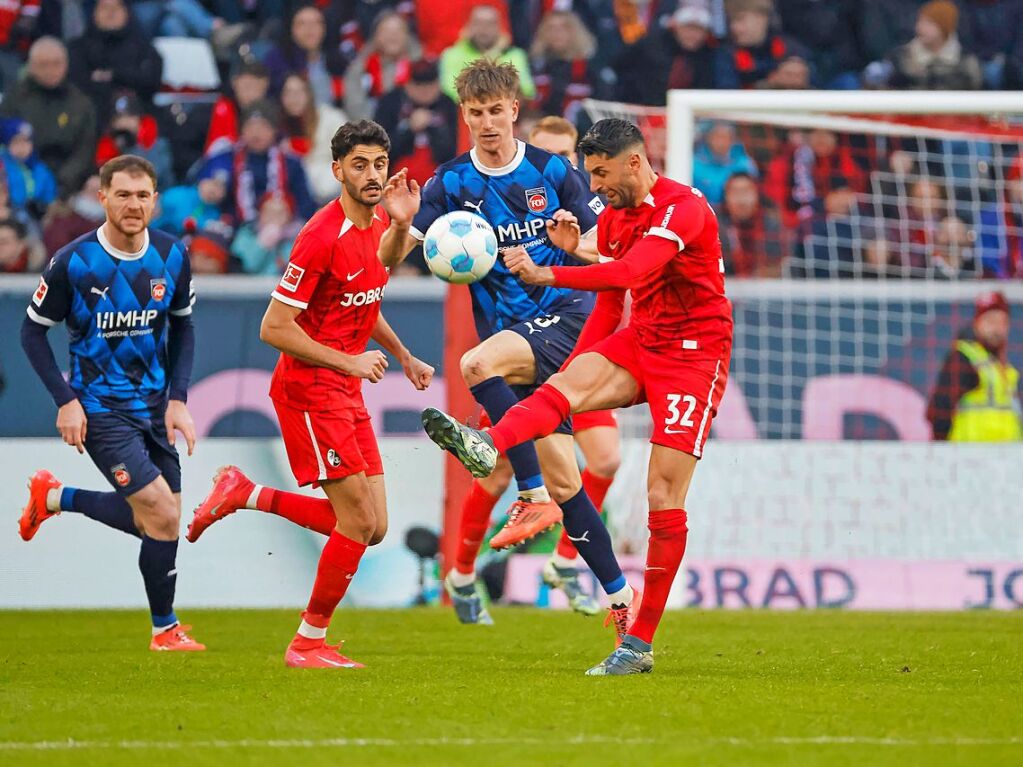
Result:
[
  {"x": 401, "y": 198},
  {"x": 563, "y": 231}
]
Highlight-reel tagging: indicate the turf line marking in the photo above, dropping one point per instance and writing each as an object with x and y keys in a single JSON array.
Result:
[{"x": 580, "y": 740}]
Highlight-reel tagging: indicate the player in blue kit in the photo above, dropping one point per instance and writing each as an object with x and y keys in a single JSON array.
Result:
[
  {"x": 526, "y": 332},
  {"x": 125, "y": 294}
]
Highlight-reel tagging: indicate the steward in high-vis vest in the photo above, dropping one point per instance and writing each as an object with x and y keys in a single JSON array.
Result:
[{"x": 976, "y": 397}]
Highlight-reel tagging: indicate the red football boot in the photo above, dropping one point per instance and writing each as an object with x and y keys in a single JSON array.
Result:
[
  {"x": 231, "y": 491},
  {"x": 316, "y": 653},
  {"x": 35, "y": 511},
  {"x": 624, "y": 617},
  {"x": 526, "y": 519},
  {"x": 175, "y": 639}
]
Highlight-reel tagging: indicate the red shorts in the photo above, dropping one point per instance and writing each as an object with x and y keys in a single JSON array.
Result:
[
  {"x": 683, "y": 392},
  {"x": 593, "y": 419},
  {"x": 580, "y": 421},
  {"x": 331, "y": 444}
]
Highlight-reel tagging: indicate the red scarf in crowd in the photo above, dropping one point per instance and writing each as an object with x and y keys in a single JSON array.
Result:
[
  {"x": 374, "y": 77},
  {"x": 246, "y": 201}
]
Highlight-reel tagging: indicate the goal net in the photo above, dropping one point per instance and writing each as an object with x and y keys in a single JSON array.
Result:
[{"x": 858, "y": 232}]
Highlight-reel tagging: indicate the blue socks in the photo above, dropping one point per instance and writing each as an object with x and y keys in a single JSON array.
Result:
[
  {"x": 156, "y": 562},
  {"x": 587, "y": 532},
  {"x": 497, "y": 397},
  {"x": 109, "y": 508}
]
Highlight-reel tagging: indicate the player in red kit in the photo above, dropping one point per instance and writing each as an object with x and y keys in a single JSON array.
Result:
[
  {"x": 323, "y": 313},
  {"x": 660, "y": 241}
]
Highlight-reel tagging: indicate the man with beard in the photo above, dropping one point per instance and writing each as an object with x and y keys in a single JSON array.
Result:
[{"x": 976, "y": 396}]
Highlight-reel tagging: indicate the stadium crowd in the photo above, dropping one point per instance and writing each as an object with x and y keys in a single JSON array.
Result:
[{"x": 242, "y": 167}]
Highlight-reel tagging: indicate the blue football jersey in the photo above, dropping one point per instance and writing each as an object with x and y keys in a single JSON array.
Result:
[
  {"x": 115, "y": 306},
  {"x": 516, "y": 200}
]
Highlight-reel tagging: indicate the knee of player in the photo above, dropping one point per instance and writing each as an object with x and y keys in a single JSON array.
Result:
[
  {"x": 660, "y": 495},
  {"x": 605, "y": 463},
  {"x": 475, "y": 368},
  {"x": 379, "y": 532},
  {"x": 362, "y": 517}
]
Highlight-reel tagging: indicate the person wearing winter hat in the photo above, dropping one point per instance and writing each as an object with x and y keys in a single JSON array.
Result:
[
  {"x": 754, "y": 55},
  {"x": 976, "y": 397},
  {"x": 30, "y": 183},
  {"x": 933, "y": 60}
]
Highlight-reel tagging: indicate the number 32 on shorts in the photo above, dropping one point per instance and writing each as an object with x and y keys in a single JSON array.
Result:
[{"x": 679, "y": 416}]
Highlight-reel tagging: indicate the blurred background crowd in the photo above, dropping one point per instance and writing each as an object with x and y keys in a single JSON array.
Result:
[{"x": 235, "y": 102}]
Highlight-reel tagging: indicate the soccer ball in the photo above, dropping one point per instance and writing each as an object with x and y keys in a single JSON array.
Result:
[{"x": 460, "y": 247}]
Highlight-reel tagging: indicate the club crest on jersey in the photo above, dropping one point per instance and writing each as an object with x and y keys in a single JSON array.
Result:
[
  {"x": 158, "y": 288},
  {"x": 121, "y": 475},
  {"x": 333, "y": 458},
  {"x": 40, "y": 294},
  {"x": 292, "y": 276},
  {"x": 536, "y": 199}
]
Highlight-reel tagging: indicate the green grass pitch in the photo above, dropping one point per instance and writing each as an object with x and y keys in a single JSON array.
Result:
[{"x": 729, "y": 688}]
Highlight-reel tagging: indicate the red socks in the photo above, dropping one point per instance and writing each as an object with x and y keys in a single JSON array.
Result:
[
  {"x": 338, "y": 563},
  {"x": 312, "y": 513},
  {"x": 476, "y": 511},
  {"x": 536, "y": 416},
  {"x": 596, "y": 488},
  {"x": 668, "y": 533}
]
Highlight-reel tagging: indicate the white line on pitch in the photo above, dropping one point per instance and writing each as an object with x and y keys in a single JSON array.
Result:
[{"x": 581, "y": 740}]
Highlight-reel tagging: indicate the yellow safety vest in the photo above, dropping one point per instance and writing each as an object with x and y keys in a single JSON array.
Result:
[{"x": 991, "y": 412}]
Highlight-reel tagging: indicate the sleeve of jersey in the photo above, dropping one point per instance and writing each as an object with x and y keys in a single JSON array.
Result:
[
  {"x": 579, "y": 200},
  {"x": 51, "y": 301},
  {"x": 602, "y": 322},
  {"x": 308, "y": 262},
  {"x": 432, "y": 206},
  {"x": 184, "y": 291},
  {"x": 646, "y": 256}
]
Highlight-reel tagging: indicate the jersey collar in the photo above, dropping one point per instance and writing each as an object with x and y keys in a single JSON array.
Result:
[
  {"x": 121, "y": 254},
  {"x": 520, "y": 153}
]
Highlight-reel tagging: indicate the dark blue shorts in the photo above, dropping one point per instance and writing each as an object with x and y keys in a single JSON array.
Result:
[
  {"x": 131, "y": 451},
  {"x": 552, "y": 338}
]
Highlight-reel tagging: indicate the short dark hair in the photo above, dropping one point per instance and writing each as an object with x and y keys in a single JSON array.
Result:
[
  {"x": 131, "y": 164},
  {"x": 485, "y": 79},
  {"x": 20, "y": 230},
  {"x": 353, "y": 133},
  {"x": 610, "y": 137}
]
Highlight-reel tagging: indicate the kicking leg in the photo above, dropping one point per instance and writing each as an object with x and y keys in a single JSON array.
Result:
[{"x": 48, "y": 498}]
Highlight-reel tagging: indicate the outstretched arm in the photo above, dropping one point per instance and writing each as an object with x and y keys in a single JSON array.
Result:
[
  {"x": 643, "y": 258},
  {"x": 280, "y": 330},
  {"x": 417, "y": 371}
]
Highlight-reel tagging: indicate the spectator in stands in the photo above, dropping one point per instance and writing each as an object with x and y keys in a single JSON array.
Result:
[
  {"x": 753, "y": 243},
  {"x": 933, "y": 60},
  {"x": 632, "y": 58},
  {"x": 14, "y": 247},
  {"x": 258, "y": 166},
  {"x": 176, "y": 18},
  {"x": 976, "y": 397},
  {"x": 952, "y": 256},
  {"x": 263, "y": 246},
  {"x": 308, "y": 129},
  {"x": 186, "y": 209},
  {"x": 690, "y": 47},
  {"x": 560, "y": 58},
  {"x": 209, "y": 249},
  {"x": 302, "y": 50},
  {"x": 132, "y": 131},
  {"x": 68, "y": 220},
  {"x": 875, "y": 255},
  {"x": 716, "y": 157},
  {"x": 992, "y": 30},
  {"x": 250, "y": 83},
  {"x": 828, "y": 30},
  {"x": 441, "y": 23},
  {"x": 18, "y": 21},
  {"x": 63, "y": 119},
  {"x": 382, "y": 64},
  {"x": 484, "y": 36},
  {"x": 756, "y": 57},
  {"x": 883, "y": 25},
  {"x": 918, "y": 225},
  {"x": 1000, "y": 225},
  {"x": 114, "y": 57},
  {"x": 800, "y": 178},
  {"x": 421, "y": 121},
  {"x": 31, "y": 186}
]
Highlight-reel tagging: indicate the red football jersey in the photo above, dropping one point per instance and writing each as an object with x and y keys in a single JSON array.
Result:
[
  {"x": 336, "y": 278},
  {"x": 683, "y": 302}
]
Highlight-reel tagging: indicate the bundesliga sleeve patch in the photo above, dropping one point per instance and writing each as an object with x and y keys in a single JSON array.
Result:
[
  {"x": 40, "y": 294},
  {"x": 292, "y": 277},
  {"x": 596, "y": 206}
]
